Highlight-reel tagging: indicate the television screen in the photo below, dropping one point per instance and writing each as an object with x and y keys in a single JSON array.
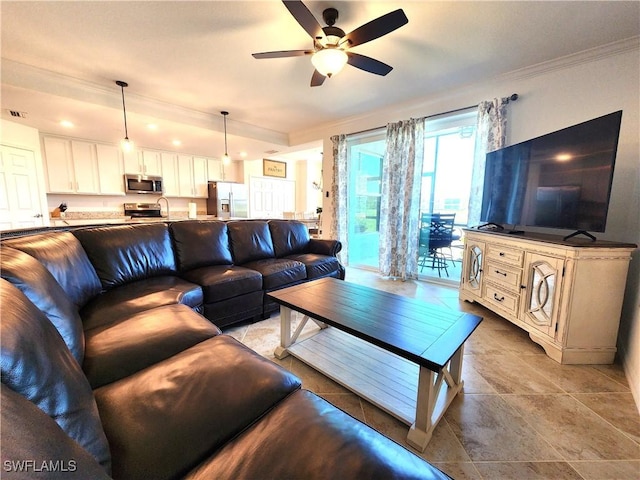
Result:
[{"x": 559, "y": 180}]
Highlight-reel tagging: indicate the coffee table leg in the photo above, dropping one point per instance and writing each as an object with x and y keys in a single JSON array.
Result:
[
  {"x": 436, "y": 391},
  {"x": 285, "y": 333}
]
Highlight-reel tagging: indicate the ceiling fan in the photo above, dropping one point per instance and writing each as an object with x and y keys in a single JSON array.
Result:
[{"x": 331, "y": 46}]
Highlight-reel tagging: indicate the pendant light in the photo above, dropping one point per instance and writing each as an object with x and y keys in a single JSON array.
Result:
[
  {"x": 226, "y": 159},
  {"x": 125, "y": 144}
]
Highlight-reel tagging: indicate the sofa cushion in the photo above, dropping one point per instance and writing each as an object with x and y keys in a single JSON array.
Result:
[
  {"x": 224, "y": 281},
  {"x": 126, "y": 253},
  {"x": 219, "y": 387},
  {"x": 289, "y": 237},
  {"x": 138, "y": 296},
  {"x": 37, "y": 283},
  {"x": 122, "y": 348},
  {"x": 250, "y": 240},
  {"x": 278, "y": 272},
  {"x": 318, "y": 266},
  {"x": 34, "y": 446},
  {"x": 200, "y": 243},
  {"x": 62, "y": 254},
  {"x": 37, "y": 364},
  {"x": 308, "y": 425}
]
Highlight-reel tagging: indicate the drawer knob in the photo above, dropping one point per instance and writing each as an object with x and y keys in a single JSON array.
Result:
[
  {"x": 501, "y": 254},
  {"x": 499, "y": 299}
]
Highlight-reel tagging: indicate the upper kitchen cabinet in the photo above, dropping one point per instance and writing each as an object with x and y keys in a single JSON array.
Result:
[
  {"x": 200, "y": 177},
  {"x": 170, "y": 179},
  {"x": 214, "y": 170},
  {"x": 192, "y": 174},
  {"x": 110, "y": 170},
  {"x": 217, "y": 172},
  {"x": 144, "y": 162},
  {"x": 71, "y": 166}
]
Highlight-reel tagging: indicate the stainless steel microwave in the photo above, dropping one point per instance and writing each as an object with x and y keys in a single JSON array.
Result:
[{"x": 142, "y": 184}]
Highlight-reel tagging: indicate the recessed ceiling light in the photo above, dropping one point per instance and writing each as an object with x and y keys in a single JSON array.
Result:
[
  {"x": 152, "y": 126},
  {"x": 243, "y": 154},
  {"x": 177, "y": 143},
  {"x": 66, "y": 124}
]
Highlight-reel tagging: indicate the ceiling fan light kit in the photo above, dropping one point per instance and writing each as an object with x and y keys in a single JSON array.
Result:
[
  {"x": 331, "y": 46},
  {"x": 329, "y": 60}
]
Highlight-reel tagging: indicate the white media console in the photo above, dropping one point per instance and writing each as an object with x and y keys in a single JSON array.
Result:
[{"x": 566, "y": 293}]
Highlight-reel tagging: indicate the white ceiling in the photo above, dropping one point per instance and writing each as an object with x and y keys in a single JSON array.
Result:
[{"x": 186, "y": 61}]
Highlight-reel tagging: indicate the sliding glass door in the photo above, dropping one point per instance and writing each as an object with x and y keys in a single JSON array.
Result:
[
  {"x": 445, "y": 186},
  {"x": 366, "y": 154},
  {"x": 446, "y": 183}
]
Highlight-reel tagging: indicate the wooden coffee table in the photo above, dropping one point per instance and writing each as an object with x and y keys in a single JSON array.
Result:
[{"x": 401, "y": 354}]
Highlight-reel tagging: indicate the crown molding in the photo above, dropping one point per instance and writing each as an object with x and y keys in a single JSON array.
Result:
[
  {"x": 33, "y": 78},
  {"x": 571, "y": 60}
]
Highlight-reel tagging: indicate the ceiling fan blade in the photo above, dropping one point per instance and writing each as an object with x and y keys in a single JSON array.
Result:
[
  {"x": 304, "y": 17},
  {"x": 282, "y": 53},
  {"x": 368, "y": 64},
  {"x": 376, "y": 28},
  {"x": 317, "y": 79}
]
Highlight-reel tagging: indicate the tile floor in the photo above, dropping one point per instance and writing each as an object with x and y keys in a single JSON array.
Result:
[{"x": 520, "y": 416}]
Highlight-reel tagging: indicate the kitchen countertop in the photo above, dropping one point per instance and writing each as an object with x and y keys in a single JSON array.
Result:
[{"x": 59, "y": 222}]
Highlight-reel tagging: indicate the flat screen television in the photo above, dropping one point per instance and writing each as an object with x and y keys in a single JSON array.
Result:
[{"x": 560, "y": 180}]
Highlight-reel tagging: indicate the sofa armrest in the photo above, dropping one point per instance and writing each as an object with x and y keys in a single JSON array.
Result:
[{"x": 325, "y": 246}]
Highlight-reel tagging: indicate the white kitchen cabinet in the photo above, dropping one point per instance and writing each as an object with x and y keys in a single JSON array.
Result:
[
  {"x": 567, "y": 294},
  {"x": 110, "y": 170},
  {"x": 214, "y": 170},
  {"x": 170, "y": 181},
  {"x": 143, "y": 162},
  {"x": 58, "y": 165},
  {"x": 71, "y": 166},
  {"x": 200, "y": 177},
  {"x": 185, "y": 175}
]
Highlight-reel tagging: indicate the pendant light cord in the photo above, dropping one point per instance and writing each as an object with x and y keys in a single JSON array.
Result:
[
  {"x": 224, "y": 115},
  {"x": 124, "y": 108}
]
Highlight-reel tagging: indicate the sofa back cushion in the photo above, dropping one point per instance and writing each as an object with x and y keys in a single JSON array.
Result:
[
  {"x": 36, "y": 364},
  {"x": 67, "y": 261},
  {"x": 32, "y": 439},
  {"x": 250, "y": 241},
  {"x": 200, "y": 244},
  {"x": 125, "y": 253},
  {"x": 38, "y": 284},
  {"x": 289, "y": 237}
]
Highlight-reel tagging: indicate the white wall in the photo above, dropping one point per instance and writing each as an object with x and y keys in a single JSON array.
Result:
[{"x": 553, "y": 96}]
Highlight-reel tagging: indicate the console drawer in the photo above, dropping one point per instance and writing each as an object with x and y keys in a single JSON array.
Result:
[
  {"x": 509, "y": 277},
  {"x": 501, "y": 299},
  {"x": 510, "y": 256}
]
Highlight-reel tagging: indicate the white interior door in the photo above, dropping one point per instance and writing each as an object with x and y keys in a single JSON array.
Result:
[
  {"x": 19, "y": 197},
  {"x": 271, "y": 197}
]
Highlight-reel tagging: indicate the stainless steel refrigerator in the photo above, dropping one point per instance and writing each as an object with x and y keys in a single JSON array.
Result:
[{"x": 227, "y": 200}]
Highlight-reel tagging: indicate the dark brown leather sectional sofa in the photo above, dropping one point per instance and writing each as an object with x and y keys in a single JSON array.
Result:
[{"x": 113, "y": 362}]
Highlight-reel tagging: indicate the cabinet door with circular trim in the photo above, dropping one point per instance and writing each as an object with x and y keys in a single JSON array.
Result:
[{"x": 542, "y": 292}]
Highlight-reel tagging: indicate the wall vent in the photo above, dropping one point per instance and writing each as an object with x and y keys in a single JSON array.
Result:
[
  {"x": 17, "y": 114},
  {"x": 271, "y": 152}
]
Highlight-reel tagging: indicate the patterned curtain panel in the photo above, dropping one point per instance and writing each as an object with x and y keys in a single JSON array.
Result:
[
  {"x": 339, "y": 195},
  {"x": 491, "y": 135},
  {"x": 400, "y": 201}
]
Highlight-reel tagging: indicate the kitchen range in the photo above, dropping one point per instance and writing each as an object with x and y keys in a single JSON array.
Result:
[{"x": 142, "y": 210}]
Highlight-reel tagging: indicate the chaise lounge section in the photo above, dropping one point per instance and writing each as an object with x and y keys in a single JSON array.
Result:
[{"x": 105, "y": 347}]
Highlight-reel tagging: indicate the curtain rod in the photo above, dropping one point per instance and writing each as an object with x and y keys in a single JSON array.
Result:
[{"x": 513, "y": 97}]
